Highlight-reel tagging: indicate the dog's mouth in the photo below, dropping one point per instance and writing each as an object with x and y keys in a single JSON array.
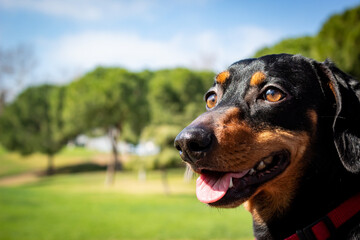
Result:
[{"x": 226, "y": 188}]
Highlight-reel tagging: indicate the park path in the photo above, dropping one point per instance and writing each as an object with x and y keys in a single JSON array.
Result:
[{"x": 19, "y": 179}]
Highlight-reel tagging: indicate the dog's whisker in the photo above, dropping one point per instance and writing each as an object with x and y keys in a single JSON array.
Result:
[{"x": 188, "y": 175}]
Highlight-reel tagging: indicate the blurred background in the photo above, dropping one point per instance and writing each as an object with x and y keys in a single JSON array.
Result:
[{"x": 93, "y": 93}]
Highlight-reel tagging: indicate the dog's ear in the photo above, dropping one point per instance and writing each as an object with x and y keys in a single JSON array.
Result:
[{"x": 346, "y": 125}]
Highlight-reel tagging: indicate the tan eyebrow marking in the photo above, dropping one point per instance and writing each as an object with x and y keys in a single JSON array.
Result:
[
  {"x": 222, "y": 77},
  {"x": 257, "y": 78}
]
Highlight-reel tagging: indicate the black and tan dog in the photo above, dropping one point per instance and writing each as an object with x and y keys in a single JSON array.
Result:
[{"x": 282, "y": 135}]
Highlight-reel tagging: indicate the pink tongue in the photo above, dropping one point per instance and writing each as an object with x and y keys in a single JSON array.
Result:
[{"x": 211, "y": 189}]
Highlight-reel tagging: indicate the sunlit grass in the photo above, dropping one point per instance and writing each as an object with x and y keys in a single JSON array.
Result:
[
  {"x": 15, "y": 163},
  {"x": 126, "y": 182},
  {"x": 79, "y": 206}
]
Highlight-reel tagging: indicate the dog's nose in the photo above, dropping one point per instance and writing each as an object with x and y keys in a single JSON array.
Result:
[{"x": 193, "y": 143}]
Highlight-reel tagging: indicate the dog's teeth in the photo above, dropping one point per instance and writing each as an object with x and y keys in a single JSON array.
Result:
[
  {"x": 268, "y": 160},
  {"x": 261, "y": 166},
  {"x": 231, "y": 182},
  {"x": 252, "y": 171}
]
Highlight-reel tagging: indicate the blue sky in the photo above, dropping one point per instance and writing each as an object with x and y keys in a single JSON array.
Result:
[{"x": 70, "y": 37}]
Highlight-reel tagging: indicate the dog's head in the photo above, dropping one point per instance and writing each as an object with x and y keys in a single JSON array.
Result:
[{"x": 262, "y": 117}]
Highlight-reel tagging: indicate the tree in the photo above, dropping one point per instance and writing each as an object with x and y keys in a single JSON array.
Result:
[
  {"x": 176, "y": 96},
  {"x": 112, "y": 99},
  {"x": 168, "y": 157},
  {"x": 33, "y": 122},
  {"x": 302, "y": 45},
  {"x": 338, "y": 40}
]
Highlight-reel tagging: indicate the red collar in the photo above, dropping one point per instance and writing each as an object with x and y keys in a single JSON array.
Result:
[{"x": 323, "y": 228}]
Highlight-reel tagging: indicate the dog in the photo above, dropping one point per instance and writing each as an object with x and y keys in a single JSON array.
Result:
[{"x": 281, "y": 135}]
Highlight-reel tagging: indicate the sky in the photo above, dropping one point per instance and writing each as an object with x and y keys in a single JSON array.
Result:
[{"x": 70, "y": 37}]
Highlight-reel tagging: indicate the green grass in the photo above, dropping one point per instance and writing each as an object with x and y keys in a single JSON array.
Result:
[
  {"x": 78, "y": 206},
  {"x": 14, "y": 163}
]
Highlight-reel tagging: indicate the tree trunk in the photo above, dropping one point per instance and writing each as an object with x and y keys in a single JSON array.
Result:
[
  {"x": 115, "y": 163},
  {"x": 50, "y": 169},
  {"x": 142, "y": 174},
  {"x": 165, "y": 181},
  {"x": 2, "y": 100}
]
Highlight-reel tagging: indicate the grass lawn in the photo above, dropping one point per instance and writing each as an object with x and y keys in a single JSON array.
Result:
[
  {"x": 79, "y": 206},
  {"x": 14, "y": 163}
]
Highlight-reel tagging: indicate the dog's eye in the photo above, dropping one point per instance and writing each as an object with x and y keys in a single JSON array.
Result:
[
  {"x": 211, "y": 100},
  {"x": 273, "y": 95}
]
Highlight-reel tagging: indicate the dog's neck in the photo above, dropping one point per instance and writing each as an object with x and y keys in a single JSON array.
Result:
[
  {"x": 320, "y": 191},
  {"x": 344, "y": 218},
  {"x": 324, "y": 185}
]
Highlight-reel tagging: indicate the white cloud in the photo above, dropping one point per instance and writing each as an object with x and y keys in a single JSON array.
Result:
[
  {"x": 89, "y": 49},
  {"x": 208, "y": 49}
]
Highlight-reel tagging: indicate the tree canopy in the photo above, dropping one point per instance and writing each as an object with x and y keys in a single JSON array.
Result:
[
  {"x": 112, "y": 99},
  {"x": 338, "y": 40},
  {"x": 176, "y": 96},
  {"x": 106, "y": 97},
  {"x": 33, "y": 122}
]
